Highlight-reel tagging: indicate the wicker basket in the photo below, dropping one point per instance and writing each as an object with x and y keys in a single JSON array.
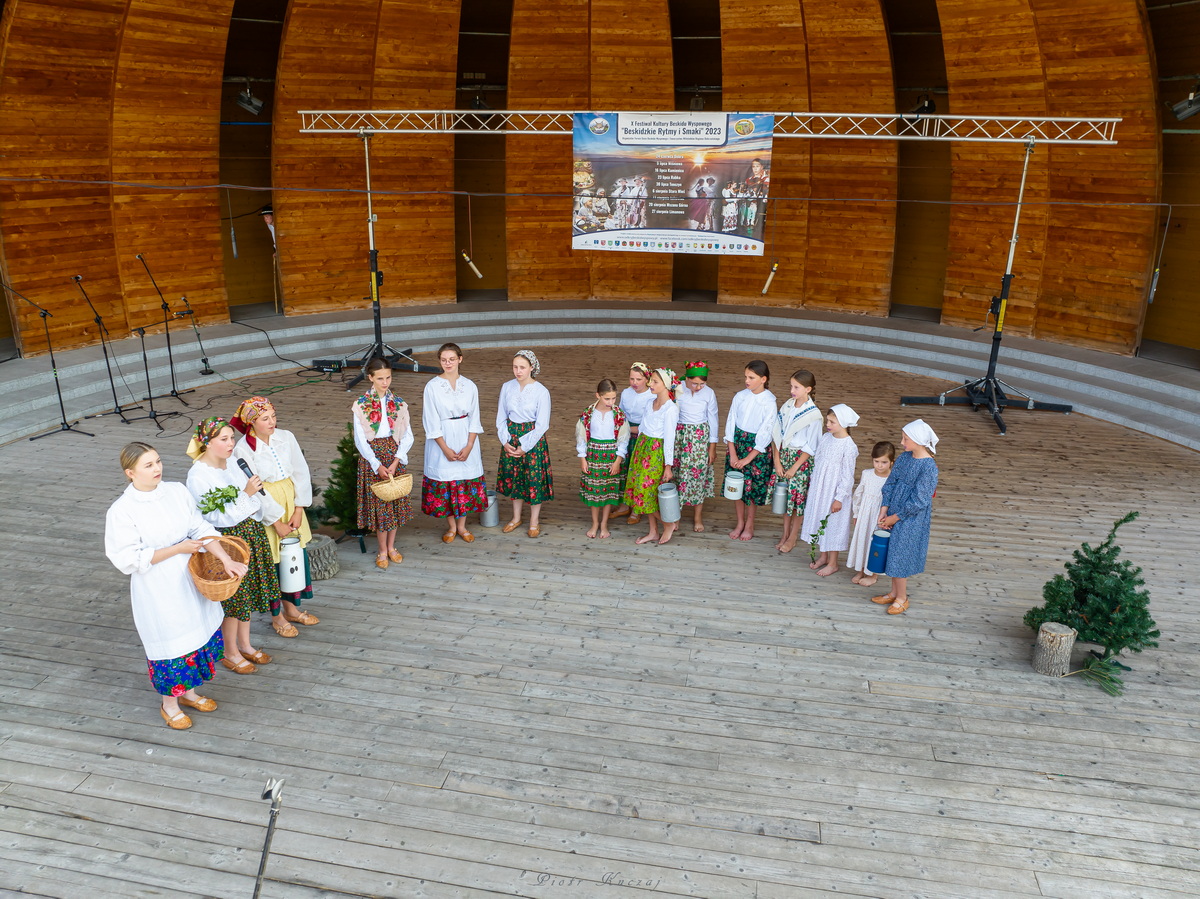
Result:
[
  {"x": 393, "y": 488},
  {"x": 209, "y": 574}
]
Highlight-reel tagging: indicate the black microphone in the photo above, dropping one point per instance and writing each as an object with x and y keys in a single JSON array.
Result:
[
  {"x": 77, "y": 278},
  {"x": 138, "y": 256},
  {"x": 245, "y": 467}
]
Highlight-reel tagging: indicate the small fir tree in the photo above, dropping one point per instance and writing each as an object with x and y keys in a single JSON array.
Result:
[
  {"x": 341, "y": 493},
  {"x": 1100, "y": 598}
]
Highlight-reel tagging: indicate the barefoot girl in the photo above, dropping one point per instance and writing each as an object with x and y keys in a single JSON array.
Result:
[
  {"x": 907, "y": 508},
  {"x": 522, "y": 419},
  {"x": 748, "y": 432},
  {"x": 601, "y": 441},
  {"x": 274, "y": 455},
  {"x": 634, "y": 400},
  {"x": 696, "y": 440},
  {"x": 652, "y": 459},
  {"x": 830, "y": 490},
  {"x": 797, "y": 430},
  {"x": 868, "y": 497},
  {"x": 244, "y": 516},
  {"x": 149, "y": 534},
  {"x": 383, "y": 437},
  {"x": 453, "y": 487}
]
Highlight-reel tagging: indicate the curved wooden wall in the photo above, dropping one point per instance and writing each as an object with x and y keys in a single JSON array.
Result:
[
  {"x": 129, "y": 91},
  {"x": 814, "y": 56},
  {"x": 364, "y": 54},
  {"x": 545, "y": 74}
]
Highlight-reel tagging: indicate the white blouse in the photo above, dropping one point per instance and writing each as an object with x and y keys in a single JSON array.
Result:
[
  {"x": 517, "y": 405},
  {"x": 660, "y": 424},
  {"x": 698, "y": 408},
  {"x": 203, "y": 477},
  {"x": 603, "y": 428},
  {"x": 634, "y": 404},
  {"x": 171, "y": 617},
  {"x": 754, "y": 414},
  {"x": 794, "y": 434},
  {"x": 277, "y": 460},
  {"x": 451, "y": 413},
  {"x": 362, "y": 441}
]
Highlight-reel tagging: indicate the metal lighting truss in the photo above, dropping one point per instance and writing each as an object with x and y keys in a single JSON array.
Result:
[{"x": 841, "y": 125}]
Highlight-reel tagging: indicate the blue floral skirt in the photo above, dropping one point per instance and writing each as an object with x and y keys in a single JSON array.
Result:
[{"x": 174, "y": 677}]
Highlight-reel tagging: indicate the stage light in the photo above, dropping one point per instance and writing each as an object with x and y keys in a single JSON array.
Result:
[
  {"x": 925, "y": 106},
  {"x": 1189, "y": 106},
  {"x": 249, "y": 102}
]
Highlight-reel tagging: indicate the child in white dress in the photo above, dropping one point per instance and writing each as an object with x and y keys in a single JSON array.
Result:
[
  {"x": 868, "y": 499},
  {"x": 830, "y": 490}
]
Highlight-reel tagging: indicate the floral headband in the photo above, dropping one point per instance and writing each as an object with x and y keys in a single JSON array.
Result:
[
  {"x": 246, "y": 413},
  {"x": 641, "y": 367},
  {"x": 669, "y": 378},
  {"x": 697, "y": 369},
  {"x": 203, "y": 435},
  {"x": 534, "y": 365}
]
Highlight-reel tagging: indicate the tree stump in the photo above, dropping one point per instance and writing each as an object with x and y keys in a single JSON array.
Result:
[
  {"x": 1052, "y": 653},
  {"x": 323, "y": 557}
]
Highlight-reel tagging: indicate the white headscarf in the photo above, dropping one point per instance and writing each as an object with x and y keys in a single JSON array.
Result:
[
  {"x": 922, "y": 434},
  {"x": 534, "y": 366},
  {"x": 846, "y": 416}
]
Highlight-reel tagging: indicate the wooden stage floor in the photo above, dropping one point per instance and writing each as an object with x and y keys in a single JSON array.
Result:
[{"x": 576, "y": 718}]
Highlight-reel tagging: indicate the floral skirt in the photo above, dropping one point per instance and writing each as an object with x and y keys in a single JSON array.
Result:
[
  {"x": 530, "y": 477},
  {"x": 798, "y": 486},
  {"x": 759, "y": 473},
  {"x": 453, "y": 499},
  {"x": 174, "y": 677},
  {"x": 259, "y": 591},
  {"x": 629, "y": 451},
  {"x": 598, "y": 487},
  {"x": 693, "y": 475},
  {"x": 375, "y": 514},
  {"x": 645, "y": 474}
]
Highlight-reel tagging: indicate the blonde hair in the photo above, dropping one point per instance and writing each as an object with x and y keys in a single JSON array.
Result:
[{"x": 131, "y": 452}]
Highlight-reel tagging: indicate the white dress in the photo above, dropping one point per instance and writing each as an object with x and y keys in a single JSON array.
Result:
[
  {"x": 832, "y": 480},
  {"x": 171, "y": 617},
  {"x": 868, "y": 500},
  {"x": 453, "y": 415}
]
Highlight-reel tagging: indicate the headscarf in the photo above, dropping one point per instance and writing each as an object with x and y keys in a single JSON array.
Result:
[
  {"x": 533, "y": 361},
  {"x": 204, "y": 433},
  {"x": 669, "y": 378},
  {"x": 642, "y": 367},
  {"x": 846, "y": 416},
  {"x": 246, "y": 413},
  {"x": 922, "y": 434},
  {"x": 695, "y": 369}
]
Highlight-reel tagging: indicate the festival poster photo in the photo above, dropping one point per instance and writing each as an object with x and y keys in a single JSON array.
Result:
[{"x": 671, "y": 182}]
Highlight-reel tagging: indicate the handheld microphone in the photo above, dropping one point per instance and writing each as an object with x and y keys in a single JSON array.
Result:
[{"x": 245, "y": 467}]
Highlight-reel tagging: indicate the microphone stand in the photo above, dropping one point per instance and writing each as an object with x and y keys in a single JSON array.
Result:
[
  {"x": 207, "y": 370},
  {"x": 62, "y": 410},
  {"x": 104, "y": 337},
  {"x": 166, "y": 308},
  {"x": 152, "y": 415}
]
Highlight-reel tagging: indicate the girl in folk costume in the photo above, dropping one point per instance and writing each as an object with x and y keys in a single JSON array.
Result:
[
  {"x": 601, "y": 442},
  {"x": 907, "y": 511},
  {"x": 453, "y": 485},
  {"x": 652, "y": 460},
  {"x": 522, "y": 419},
  {"x": 748, "y": 431},
  {"x": 797, "y": 430},
  {"x": 868, "y": 499},
  {"x": 236, "y": 505},
  {"x": 696, "y": 440},
  {"x": 274, "y": 455},
  {"x": 149, "y": 533},
  {"x": 383, "y": 438},
  {"x": 829, "y": 491},
  {"x": 634, "y": 401}
]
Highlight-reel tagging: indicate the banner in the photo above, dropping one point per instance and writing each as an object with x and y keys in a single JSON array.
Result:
[{"x": 671, "y": 182}]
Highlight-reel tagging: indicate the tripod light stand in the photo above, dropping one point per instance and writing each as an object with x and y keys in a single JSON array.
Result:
[{"x": 990, "y": 390}]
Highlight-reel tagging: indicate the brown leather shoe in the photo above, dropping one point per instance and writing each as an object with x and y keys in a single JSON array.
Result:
[
  {"x": 467, "y": 537},
  {"x": 239, "y": 667},
  {"x": 510, "y": 527},
  {"x": 535, "y": 532},
  {"x": 258, "y": 657},
  {"x": 178, "y": 721},
  {"x": 448, "y": 538},
  {"x": 286, "y": 629},
  {"x": 200, "y": 703},
  {"x": 899, "y": 606},
  {"x": 392, "y": 554},
  {"x": 381, "y": 562},
  {"x": 308, "y": 619},
  {"x": 883, "y": 600}
]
